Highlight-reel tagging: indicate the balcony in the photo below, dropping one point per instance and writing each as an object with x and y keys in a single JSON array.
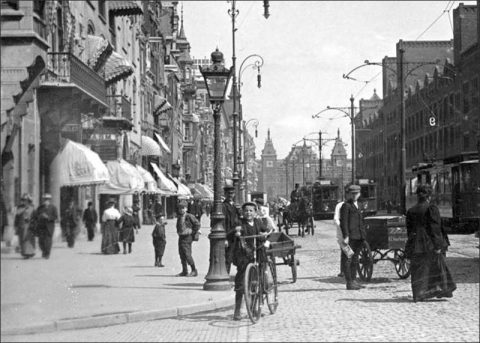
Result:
[
  {"x": 66, "y": 70},
  {"x": 119, "y": 113}
]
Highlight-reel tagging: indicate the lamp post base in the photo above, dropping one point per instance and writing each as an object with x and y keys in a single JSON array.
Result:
[{"x": 217, "y": 285}]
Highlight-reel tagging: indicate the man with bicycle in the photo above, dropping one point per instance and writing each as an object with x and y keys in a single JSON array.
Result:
[{"x": 243, "y": 252}]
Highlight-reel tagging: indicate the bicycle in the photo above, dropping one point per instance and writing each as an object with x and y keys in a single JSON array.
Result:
[{"x": 257, "y": 288}]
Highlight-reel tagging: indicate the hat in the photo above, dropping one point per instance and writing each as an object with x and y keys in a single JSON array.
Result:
[
  {"x": 424, "y": 190},
  {"x": 228, "y": 185},
  {"x": 47, "y": 196},
  {"x": 111, "y": 201},
  {"x": 354, "y": 189},
  {"x": 27, "y": 197},
  {"x": 128, "y": 210},
  {"x": 249, "y": 203},
  {"x": 182, "y": 203},
  {"x": 259, "y": 201}
]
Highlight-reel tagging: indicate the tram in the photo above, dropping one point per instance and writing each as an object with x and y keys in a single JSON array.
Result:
[
  {"x": 368, "y": 196},
  {"x": 455, "y": 191},
  {"x": 325, "y": 195}
]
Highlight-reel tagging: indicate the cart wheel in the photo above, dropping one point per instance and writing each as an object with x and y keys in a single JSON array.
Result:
[
  {"x": 252, "y": 292},
  {"x": 271, "y": 291},
  {"x": 294, "y": 263},
  {"x": 402, "y": 264},
  {"x": 365, "y": 263}
]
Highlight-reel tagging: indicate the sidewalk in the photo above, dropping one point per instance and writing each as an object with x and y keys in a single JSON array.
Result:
[{"x": 81, "y": 288}]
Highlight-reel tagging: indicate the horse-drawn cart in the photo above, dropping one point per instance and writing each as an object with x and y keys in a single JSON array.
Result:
[
  {"x": 386, "y": 238},
  {"x": 282, "y": 246}
]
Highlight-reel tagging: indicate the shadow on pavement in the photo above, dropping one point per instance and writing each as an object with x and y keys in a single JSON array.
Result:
[
  {"x": 149, "y": 266},
  {"x": 216, "y": 320},
  {"x": 188, "y": 284},
  {"x": 91, "y": 286},
  {"x": 334, "y": 279},
  {"x": 405, "y": 299},
  {"x": 464, "y": 269},
  {"x": 155, "y": 275},
  {"x": 310, "y": 290}
]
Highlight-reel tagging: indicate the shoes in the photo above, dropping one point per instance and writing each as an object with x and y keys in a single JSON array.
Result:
[
  {"x": 156, "y": 264},
  {"x": 182, "y": 274},
  {"x": 445, "y": 295},
  {"x": 353, "y": 287},
  {"x": 160, "y": 265},
  {"x": 358, "y": 285},
  {"x": 341, "y": 275},
  {"x": 237, "y": 316},
  {"x": 193, "y": 273}
]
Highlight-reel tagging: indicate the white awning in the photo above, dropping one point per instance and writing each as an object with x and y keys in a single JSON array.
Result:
[
  {"x": 150, "y": 183},
  {"x": 77, "y": 165},
  {"x": 164, "y": 183},
  {"x": 162, "y": 143},
  {"x": 182, "y": 190},
  {"x": 150, "y": 147},
  {"x": 124, "y": 179}
]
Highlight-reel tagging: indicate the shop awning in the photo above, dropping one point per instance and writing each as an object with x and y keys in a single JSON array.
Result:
[
  {"x": 150, "y": 147},
  {"x": 77, "y": 165},
  {"x": 162, "y": 143},
  {"x": 164, "y": 183},
  {"x": 117, "y": 68},
  {"x": 150, "y": 183},
  {"x": 98, "y": 51},
  {"x": 124, "y": 179},
  {"x": 183, "y": 191},
  {"x": 200, "y": 192},
  {"x": 208, "y": 190},
  {"x": 160, "y": 105},
  {"x": 124, "y": 8}
]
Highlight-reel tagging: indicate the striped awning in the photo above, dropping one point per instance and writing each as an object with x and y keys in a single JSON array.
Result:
[
  {"x": 117, "y": 68},
  {"x": 164, "y": 183},
  {"x": 162, "y": 143},
  {"x": 98, "y": 51},
  {"x": 160, "y": 105},
  {"x": 150, "y": 147},
  {"x": 124, "y": 8},
  {"x": 150, "y": 183}
]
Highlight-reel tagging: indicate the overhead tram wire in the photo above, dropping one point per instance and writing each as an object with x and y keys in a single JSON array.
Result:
[{"x": 446, "y": 10}]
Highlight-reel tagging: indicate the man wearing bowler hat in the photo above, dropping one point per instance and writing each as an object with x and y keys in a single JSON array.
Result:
[
  {"x": 353, "y": 233},
  {"x": 232, "y": 219},
  {"x": 46, "y": 215}
]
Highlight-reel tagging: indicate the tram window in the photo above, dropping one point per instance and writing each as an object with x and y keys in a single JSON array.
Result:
[{"x": 469, "y": 178}]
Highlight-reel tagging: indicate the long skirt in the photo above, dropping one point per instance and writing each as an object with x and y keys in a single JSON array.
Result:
[
  {"x": 127, "y": 234},
  {"x": 430, "y": 277},
  {"x": 27, "y": 241},
  {"x": 110, "y": 238}
]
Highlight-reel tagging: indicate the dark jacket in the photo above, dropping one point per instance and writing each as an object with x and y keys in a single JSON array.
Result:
[
  {"x": 351, "y": 221},
  {"x": 158, "y": 232},
  {"x": 90, "y": 216},
  {"x": 424, "y": 229},
  {"x": 189, "y": 227},
  {"x": 232, "y": 218},
  {"x": 45, "y": 217},
  {"x": 243, "y": 253}
]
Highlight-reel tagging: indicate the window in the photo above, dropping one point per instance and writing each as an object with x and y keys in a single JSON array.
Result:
[
  {"x": 38, "y": 7},
  {"x": 90, "y": 28},
  {"x": 466, "y": 141},
  {"x": 270, "y": 164},
  {"x": 59, "y": 36},
  {"x": 475, "y": 92},
  {"x": 466, "y": 97},
  {"x": 101, "y": 7},
  {"x": 13, "y": 4}
]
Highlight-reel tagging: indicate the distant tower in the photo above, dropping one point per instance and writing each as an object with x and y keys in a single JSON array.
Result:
[
  {"x": 268, "y": 180},
  {"x": 339, "y": 154}
]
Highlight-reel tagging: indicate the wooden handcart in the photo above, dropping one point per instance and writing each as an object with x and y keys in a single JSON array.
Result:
[
  {"x": 282, "y": 246},
  {"x": 386, "y": 238}
]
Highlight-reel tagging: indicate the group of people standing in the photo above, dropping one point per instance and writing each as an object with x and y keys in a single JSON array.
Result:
[{"x": 426, "y": 245}]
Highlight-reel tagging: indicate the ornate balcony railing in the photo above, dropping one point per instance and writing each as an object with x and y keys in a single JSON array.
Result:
[
  {"x": 119, "y": 107},
  {"x": 63, "y": 67}
]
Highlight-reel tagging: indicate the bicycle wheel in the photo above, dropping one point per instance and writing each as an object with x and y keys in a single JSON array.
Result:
[
  {"x": 251, "y": 286},
  {"x": 271, "y": 288}
]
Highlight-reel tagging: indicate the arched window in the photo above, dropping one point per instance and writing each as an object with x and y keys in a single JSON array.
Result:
[{"x": 90, "y": 28}]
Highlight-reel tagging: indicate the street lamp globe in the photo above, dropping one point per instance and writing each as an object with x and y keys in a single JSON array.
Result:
[{"x": 216, "y": 77}]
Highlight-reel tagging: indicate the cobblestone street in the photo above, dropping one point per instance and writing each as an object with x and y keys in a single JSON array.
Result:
[{"x": 319, "y": 308}]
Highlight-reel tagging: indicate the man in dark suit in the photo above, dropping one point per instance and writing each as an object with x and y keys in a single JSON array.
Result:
[
  {"x": 353, "y": 232},
  {"x": 232, "y": 219},
  {"x": 45, "y": 216},
  {"x": 90, "y": 219}
]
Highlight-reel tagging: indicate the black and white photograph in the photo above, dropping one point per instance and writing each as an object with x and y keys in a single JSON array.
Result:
[{"x": 240, "y": 171}]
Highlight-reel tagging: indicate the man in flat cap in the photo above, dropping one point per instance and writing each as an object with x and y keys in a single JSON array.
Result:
[
  {"x": 46, "y": 215},
  {"x": 232, "y": 219},
  {"x": 187, "y": 226},
  {"x": 353, "y": 232}
]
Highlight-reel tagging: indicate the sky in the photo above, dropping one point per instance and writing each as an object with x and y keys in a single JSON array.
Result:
[{"x": 307, "y": 46}]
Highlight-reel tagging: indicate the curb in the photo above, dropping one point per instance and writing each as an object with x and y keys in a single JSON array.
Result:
[{"x": 121, "y": 318}]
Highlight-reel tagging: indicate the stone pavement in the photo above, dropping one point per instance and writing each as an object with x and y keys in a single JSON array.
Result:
[
  {"x": 319, "y": 308},
  {"x": 81, "y": 287}
]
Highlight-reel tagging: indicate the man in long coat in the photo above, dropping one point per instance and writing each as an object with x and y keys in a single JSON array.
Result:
[
  {"x": 46, "y": 215},
  {"x": 90, "y": 219},
  {"x": 232, "y": 219}
]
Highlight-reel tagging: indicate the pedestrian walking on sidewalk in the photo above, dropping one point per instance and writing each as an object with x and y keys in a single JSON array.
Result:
[
  {"x": 187, "y": 227},
  {"x": 425, "y": 247},
  {"x": 24, "y": 226},
  {"x": 69, "y": 223},
  {"x": 353, "y": 232},
  {"x": 232, "y": 220},
  {"x": 128, "y": 228},
  {"x": 110, "y": 219},
  {"x": 159, "y": 240},
  {"x": 243, "y": 253},
  {"x": 90, "y": 219},
  {"x": 45, "y": 218}
]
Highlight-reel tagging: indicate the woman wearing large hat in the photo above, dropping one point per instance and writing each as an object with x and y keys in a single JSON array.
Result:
[{"x": 24, "y": 226}]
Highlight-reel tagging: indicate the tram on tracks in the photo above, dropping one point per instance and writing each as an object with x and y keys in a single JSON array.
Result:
[
  {"x": 455, "y": 190},
  {"x": 325, "y": 195},
  {"x": 368, "y": 196}
]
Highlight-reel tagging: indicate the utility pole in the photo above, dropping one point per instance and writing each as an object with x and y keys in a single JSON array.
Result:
[
  {"x": 319, "y": 155},
  {"x": 403, "y": 162},
  {"x": 352, "y": 121},
  {"x": 303, "y": 162}
]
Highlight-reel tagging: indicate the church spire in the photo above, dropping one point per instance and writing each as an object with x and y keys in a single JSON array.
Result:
[
  {"x": 182, "y": 31},
  {"x": 338, "y": 133}
]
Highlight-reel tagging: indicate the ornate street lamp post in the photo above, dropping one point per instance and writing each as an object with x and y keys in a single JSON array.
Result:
[{"x": 216, "y": 79}]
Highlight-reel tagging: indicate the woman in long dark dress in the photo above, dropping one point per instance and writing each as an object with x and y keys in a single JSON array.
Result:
[
  {"x": 110, "y": 219},
  {"x": 128, "y": 227},
  {"x": 24, "y": 224},
  {"x": 430, "y": 275}
]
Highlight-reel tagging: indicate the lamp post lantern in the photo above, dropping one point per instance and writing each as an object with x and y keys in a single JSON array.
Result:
[{"x": 216, "y": 79}]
